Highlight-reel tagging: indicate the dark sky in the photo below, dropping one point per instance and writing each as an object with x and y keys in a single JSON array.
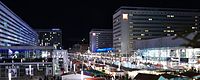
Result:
[{"x": 77, "y": 18}]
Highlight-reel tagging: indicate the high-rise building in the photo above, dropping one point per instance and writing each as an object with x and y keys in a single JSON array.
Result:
[
  {"x": 14, "y": 31},
  {"x": 140, "y": 23},
  {"x": 18, "y": 48},
  {"x": 101, "y": 40},
  {"x": 50, "y": 37}
]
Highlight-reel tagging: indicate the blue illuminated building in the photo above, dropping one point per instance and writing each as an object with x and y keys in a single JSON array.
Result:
[
  {"x": 14, "y": 31},
  {"x": 19, "y": 50},
  {"x": 101, "y": 40},
  {"x": 104, "y": 49}
]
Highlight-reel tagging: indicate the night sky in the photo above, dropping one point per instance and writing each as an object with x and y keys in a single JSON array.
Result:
[{"x": 77, "y": 18}]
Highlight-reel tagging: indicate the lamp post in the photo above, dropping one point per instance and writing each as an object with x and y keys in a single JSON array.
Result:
[{"x": 9, "y": 76}]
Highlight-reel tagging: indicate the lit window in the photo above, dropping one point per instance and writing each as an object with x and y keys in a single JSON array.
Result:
[
  {"x": 146, "y": 30},
  {"x": 130, "y": 14},
  {"x": 131, "y": 22},
  {"x": 172, "y": 30},
  {"x": 196, "y": 24},
  {"x": 142, "y": 34},
  {"x": 175, "y": 34},
  {"x": 168, "y": 30},
  {"x": 168, "y": 27},
  {"x": 196, "y": 20},
  {"x": 196, "y": 16},
  {"x": 139, "y": 38},
  {"x": 125, "y": 16},
  {"x": 194, "y": 27},
  {"x": 5, "y": 24},
  {"x": 150, "y": 19},
  {"x": 117, "y": 20},
  {"x": 131, "y": 26},
  {"x": 94, "y": 34},
  {"x": 168, "y": 16}
]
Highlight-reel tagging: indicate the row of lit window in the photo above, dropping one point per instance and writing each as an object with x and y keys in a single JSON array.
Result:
[
  {"x": 4, "y": 27},
  {"x": 12, "y": 21},
  {"x": 8, "y": 41},
  {"x": 168, "y": 30},
  {"x": 19, "y": 40},
  {"x": 17, "y": 33},
  {"x": 21, "y": 28},
  {"x": 139, "y": 38},
  {"x": 125, "y": 15},
  {"x": 146, "y": 30}
]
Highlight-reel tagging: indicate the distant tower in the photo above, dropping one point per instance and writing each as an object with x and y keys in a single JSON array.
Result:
[{"x": 50, "y": 37}]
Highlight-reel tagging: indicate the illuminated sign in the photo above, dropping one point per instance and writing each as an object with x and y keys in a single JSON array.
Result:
[
  {"x": 125, "y": 16},
  {"x": 104, "y": 49},
  {"x": 55, "y": 29}
]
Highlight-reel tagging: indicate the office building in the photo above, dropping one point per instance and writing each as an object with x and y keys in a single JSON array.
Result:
[
  {"x": 14, "y": 31},
  {"x": 101, "y": 40},
  {"x": 141, "y": 23},
  {"x": 50, "y": 37}
]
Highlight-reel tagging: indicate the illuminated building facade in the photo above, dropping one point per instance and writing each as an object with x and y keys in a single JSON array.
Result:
[
  {"x": 19, "y": 58},
  {"x": 50, "y": 37},
  {"x": 19, "y": 54},
  {"x": 141, "y": 23},
  {"x": 167, "y": 51},
  {"x": 14, "y": 31},
  {"x": 100, "y": 38}
]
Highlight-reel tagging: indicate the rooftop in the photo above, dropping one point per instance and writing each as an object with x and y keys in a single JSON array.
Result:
[{"x": 157, "y": 9}]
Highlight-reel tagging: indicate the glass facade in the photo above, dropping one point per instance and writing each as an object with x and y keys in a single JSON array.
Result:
[{"x": 13, "y": 30}]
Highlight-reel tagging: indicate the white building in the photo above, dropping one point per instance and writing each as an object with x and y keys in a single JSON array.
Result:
[{"x": 142, "y": 23}]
